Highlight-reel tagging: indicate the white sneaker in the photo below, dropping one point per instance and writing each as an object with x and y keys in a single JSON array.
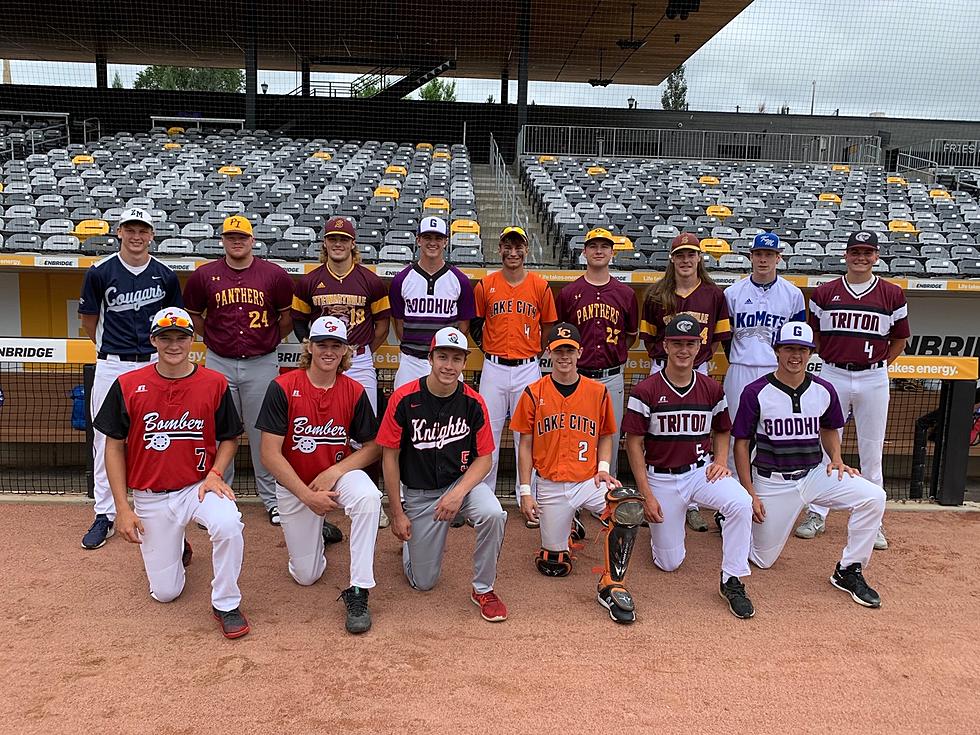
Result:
[
  {"x": 383, "y": 520},
  {"x": 813, "y": 525},
  {"x": 881, "y": 543}
]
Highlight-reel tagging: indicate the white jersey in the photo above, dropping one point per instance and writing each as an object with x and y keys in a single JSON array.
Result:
[{"x": 757, "y": 313}]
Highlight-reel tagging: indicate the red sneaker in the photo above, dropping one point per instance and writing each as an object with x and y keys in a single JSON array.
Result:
[
  {"x": 491, "y": 607},
  {"x": 233, "y": 623}
]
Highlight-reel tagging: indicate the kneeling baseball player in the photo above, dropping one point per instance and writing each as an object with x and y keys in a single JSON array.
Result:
[
  {"x": 172, "y": 430},
  {"x": 308, "y": 420},
  {"x": 793, "y": 417},
  {"x": 677, "y": 430},
  {"x": 567, "y": 424}
]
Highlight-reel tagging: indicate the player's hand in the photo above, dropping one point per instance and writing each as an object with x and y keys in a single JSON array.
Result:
[
  {"x": 448, "y": 506},
  {"x": 326, "y": 480},
  {"x": 841, "y": 469},
  {"x": 217, "y": 485},
  {"x": 321, "y": 501},
  {"x": 652, "y": 511},
  {"x": 715, "y": 471},
  {"x": 129, "y": 525},
  {"x": 604, "y": 477},
  {"x": 758, "y": 509},
  {"x": 400, "y": 526},
  {"x": 530, "y": 508}
]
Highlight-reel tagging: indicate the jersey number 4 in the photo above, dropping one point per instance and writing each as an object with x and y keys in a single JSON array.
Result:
[{"x": 868, "y": 349}]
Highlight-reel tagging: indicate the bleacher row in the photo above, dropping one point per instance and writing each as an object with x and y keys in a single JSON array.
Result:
[
  {"x": 68, "y": 199},
  {"x": 19, "y": 138},
  {"x": 924, "y": 231}
]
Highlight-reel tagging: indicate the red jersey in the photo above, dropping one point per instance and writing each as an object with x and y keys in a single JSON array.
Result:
[
  {"x": 676, "y": 426},
  {"x": 171, "y": 426},
  {"x": 358, "y": 299},
  {"x": 706, "y": 303},
  {"x": 855, "y": 327},
  {"x": 317, "y": 423},
  {"x": 514, "y": 314},
  {"x": 605, "y": 316},
  {"x": 241, "y": 307}
]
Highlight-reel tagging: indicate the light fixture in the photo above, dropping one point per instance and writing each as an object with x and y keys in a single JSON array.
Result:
[
  {"x": 631, "y": 103},
  {"x": 600, "y": 81},
  {"x": 633, "y": 44},
  {"x": 265, "y": 88}
]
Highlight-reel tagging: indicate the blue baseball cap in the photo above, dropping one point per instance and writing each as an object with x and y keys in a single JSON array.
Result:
[{"x": 766, "y": 241}]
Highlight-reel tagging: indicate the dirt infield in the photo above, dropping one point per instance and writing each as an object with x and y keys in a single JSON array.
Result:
[{"x": 85, "y": 650}]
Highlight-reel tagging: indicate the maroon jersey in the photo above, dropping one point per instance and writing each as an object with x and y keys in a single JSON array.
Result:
[
  {"x": 676, "y": 426},
  {"x": 171, "y": 426},
  {"x": 241, "y": 307},
  {"x": 358, "y": 299},
  {"x": 604, "y": 315},
  {"x": 706, "y": 303},
  {"x": 317, "y": 423},
  {"x": 856, "y": 328}
]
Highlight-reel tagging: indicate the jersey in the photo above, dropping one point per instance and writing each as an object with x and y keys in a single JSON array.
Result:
[
  {"x": 858, "y": 327},
  {"x": 706, "y": 303},
  {"x": 438, "y": 437},
  {"x": 605, "y": 316},
  {"x": 241, "y": 306},
  {"x": 318, "y": 423},
  {"x": 757, "y": 313},
  {"x": 786, "y": 422},
  {"x": 428, "y": 302},
  {"x": 566, "y": 431},
  {"x": 676, "y": 426},
  {"x": 359, "y": 300},
  {"x": 513, "y": 315},
  {"x": 171, "y": 426},
  {"x": 125, "y": 299}
]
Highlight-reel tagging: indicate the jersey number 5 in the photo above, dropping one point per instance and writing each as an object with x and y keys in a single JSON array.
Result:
[{"x": 259, "y": 319}]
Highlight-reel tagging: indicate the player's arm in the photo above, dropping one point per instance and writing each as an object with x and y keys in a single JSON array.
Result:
[
  {"x": 90, "y": 302},
  {"x": 830, "y": 440},
  {"x": 301, "y": 311},
  {"x": 400, "y": 525},
  {"x": 463, "y": 325},
  {"x": 90, "y": 323},
  {"x": 743, "y": 465},
  {"x": 399, "y": 327},
  {"x": 227, "y": 428},
  {"x": 381, "y": 327},
  {"x": 743, "y": 429},
  {"x": 638, "y": 466},
  {"x": 525, "y": 467},
  {"x": 286, "y": 476},
  {"x": 198, "y": 321},
  {"x": 895, "y": 348},
  {"x": 113, "y": 421},
  {"x": 450, "y": 503},
  {"x": 719, "y": 448},
  {"x": 285, "y": 323}
]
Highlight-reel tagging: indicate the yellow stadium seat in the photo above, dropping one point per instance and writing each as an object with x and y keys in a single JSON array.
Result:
[
  {"x": 595, "y": 171},
  {"x": 1, "y": 187},
  {"x": 90, "y": 228},
  {"x": 396, "y": 171},
  {"x": 83, "y": 160},
  {"x": 465, "y": 225},
  {"x": 621, "y": 243},
  {"x": 719, "y": 211},
  {"x": 715, "y": 246},
  {"x": 710, "y": 180},
  {"x": 829, "y": 196},
  {"x": 423, "y": 146},
  {"x": 436, "y": 203},
  {"x": 547, "y": 159},
  {"x": 171, "y": 146},
  {"x": 441, "y": 155},
  {"x": 896, "y": 180},
  {"x": 901, "y": 225},
  {"x": 323, "y": 154},
  {"x": 230, "y": 171},
  {"x": 176, "y": 130},
  {"x": 840, "y": 167},
  {"x": 939, "y": 194},
  {"x": 386, "y": 191}
]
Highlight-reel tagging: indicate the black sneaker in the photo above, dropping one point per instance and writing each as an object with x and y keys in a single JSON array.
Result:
[
  {"x": 458, "y": 522},
  {"x": 233, "y": 623},
  {"x": 186, "y": 555},
  {"x": 358, "y": 615},
  {"x": 719, "y": 520},
  {"x": 96, "y": 536},
  {"x": 738, "y": 602},
  {"x": 619, "y": 603},
  {"x": 274, "y": 516},
  {"x": 332, "y": 534},
  {"x": 578, "y": 528},
  {"x": 851, "y": 580}
]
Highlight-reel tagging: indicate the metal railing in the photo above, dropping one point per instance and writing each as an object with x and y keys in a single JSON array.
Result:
[
  {"x": 325, "y": 89},
  {"x": 196, "y": 122},
  {"x": 511, "y": 198},
  {"x": 91, "y": 129},
  {"x": 946, "y": 152},
  {"x": 40, "y": 140},
  {"x": 911, "y": 163}
]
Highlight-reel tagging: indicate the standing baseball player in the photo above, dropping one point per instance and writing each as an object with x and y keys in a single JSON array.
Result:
[
  {"x": 686, "y": 288},
  {"x": 566, "y": 424},
  {"x": 860, "y": 324},
  {"x": 240, "y": 305},
  {"x": 606, "y": 315},
  {"x": 514, "y": 309},
  {"x": 436, "y": 443},
  {"x": 794, "y": 419},
  {"x": 120, "y": 295},
  {"x": 677, "y": 431},
  {"x": 425, "y": 297},
  {"x": 172, "y": 429},
  {"x": 308, "y": 420},
  {"x": 759, "y": 306}
]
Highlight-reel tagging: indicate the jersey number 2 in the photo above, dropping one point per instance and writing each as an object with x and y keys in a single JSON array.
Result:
[{"x": 583, "y": 448}]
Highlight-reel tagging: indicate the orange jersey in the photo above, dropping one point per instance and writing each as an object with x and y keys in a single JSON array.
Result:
[
  {"x": 513, "y": 315},
  {"x": 566, "y": 431}
]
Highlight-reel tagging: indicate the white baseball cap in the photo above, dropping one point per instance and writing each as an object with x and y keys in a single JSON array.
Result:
[
  {"x": 135, "y": 214},
  {"x": 328, "y": 327},
  {"x": 795, "y": 333},
  {"x": 451, "y": 338},
  {"x": 171, "y": 319},
  {"x": 433, "y": 224}
]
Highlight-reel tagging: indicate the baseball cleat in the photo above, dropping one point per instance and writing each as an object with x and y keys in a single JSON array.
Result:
[
  {"x": 531, "y": 524},
  {"x": 881, "y": 543},
  {"x": 813, "y": 525},
  {"x": 331, "y": 534},
  {"x": 102, "y": 529},
  {"x": 274, "y": 516},
  {"x": 719, "y": 520},
  {"x": 619, "y": 603},
  {"x": 233, "y": 622},
  {"x": 694, "y": 520},
  {"x": 492, "y": 608},
  {"x": 738, "y": 602},
  {"x": 458, "y": 522},
  {"x": 578, "y": 529},
  {"x": 358, "y": 615},
  {"x": 383, "y": 520},
  {"x": 851, "y": 580},
  {"x": 187, "y": 555}
]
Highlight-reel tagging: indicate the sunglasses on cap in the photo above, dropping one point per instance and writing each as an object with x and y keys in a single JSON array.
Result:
[{"x": 171, "y": 321}]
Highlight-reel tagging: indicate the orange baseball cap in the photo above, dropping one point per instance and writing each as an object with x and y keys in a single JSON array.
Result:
[
  {"x": 685, "y": 241},
  {"x": 236, "y": 223}
]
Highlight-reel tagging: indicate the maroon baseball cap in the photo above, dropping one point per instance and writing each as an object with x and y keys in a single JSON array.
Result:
[
  {"x": 685, "y": 241},
  {"x": 340, "y": 226}
]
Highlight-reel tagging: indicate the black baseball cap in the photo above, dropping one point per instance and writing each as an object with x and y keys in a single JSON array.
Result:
[
  {"x": 863, "y": 239},
  {"x": 563, "y": 334},
  {"x": 683, "y": 326}
]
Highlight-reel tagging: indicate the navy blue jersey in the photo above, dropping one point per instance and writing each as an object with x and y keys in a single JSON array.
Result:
[{"x": 126, "y": 302}]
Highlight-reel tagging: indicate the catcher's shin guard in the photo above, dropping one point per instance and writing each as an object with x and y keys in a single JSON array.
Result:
[
  {"x": 624, "y": 508},
  {"x": 553, "y": 563}
]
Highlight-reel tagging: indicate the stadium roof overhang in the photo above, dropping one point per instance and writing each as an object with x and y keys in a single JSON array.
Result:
[{"x": 566, "y": 36}]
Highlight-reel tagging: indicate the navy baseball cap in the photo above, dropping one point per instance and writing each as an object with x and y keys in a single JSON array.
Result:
[
  {"x": 863, "y": 239},
  {"x": 563, "y": 334},
  {"x": 683, "y": 326},
  {"x": 766, "y": 241},
  {"x": 795, "y": 333}
]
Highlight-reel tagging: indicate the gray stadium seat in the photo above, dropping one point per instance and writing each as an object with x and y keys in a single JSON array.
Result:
[
  {"x": 175, "y": 246},
  {"x": 941, "y": 267},
  {"x": 62, "y": 243},
  {"x": 395, "y": 253}
]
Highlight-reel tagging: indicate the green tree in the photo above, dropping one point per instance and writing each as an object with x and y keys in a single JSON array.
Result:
[
  {"x": 368, "y": 90},
  {"x": 190, "y": 78},
  {"x": 675, "y": 95},
  {"x": 116, "y": 81},
  {"x": 439, "y": 91}
]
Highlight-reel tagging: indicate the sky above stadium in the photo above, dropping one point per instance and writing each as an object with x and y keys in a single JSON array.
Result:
[{"x": 900, "y": 58}]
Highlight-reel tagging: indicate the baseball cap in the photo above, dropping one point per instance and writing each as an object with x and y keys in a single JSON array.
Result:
[
  {"x": 683, "y": 326},
  {"x": 685, "y": 241},
  {"x": 766, "y": 241},
  {"x": 236, "y": 223},
  {"x": 795, "y": 333},
  {"x": 328, "y": 327},
  {"x": 513, "y": 231},
  {"x": 450, "y": 337},
  {"x": 433, "y": 224},
  {"x": 599, "y": 233},
  {"x": 563, "y": 334},
  {"x": 863, "y": 239},
  {"x": 339, "y": 226},
  {"x": 135, "y": 214},
  {"x": 171, "y": 319}
]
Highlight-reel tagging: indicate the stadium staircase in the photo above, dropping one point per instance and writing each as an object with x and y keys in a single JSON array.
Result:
[{"x": 496, "y": 213}]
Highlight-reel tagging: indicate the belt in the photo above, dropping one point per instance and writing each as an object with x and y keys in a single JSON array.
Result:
[
  {"x": 360, "y": 350},
  {"x": 784, "y": 475},
  {"x": 600, "y": 373},
  {"x": 678, "y": 470},
  {"x": 134, "y": 357},
  {"x": 510, "y": 362},
  {"x": 857, "y": 367}
]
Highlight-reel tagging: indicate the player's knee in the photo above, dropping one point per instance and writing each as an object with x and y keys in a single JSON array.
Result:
[
  {"x": 738, "y": 505},
  {"x": 305, "y": 576},
  {"x": 424, "y": 582},
  {"x": 763, "y": 562},
  {"x": 366, "y": 498},
  {"x": 668, "y": 561},
  {"x": 166, "y": 592},
  {"x": 225, "y": 526}
]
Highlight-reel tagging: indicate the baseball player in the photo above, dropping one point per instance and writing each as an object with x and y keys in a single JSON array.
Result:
[
  {"x": 425, "y": 297},
  {"x": 308, "y": 420},
  {"x": 686, "y": 288},
  {"x": 566, "y": 424},
  {"x": 120, "y": 294},
  {"x": 606, "y": 315},
  {"x": 436, "y": 443},
  {"x": 514, "y": 308},
  {"x": 240, "y": 305},
  {"x": 794, "y": 419},
  {"x": 677, "y": 430},
  {"x": 759, "y": 305},
  {"x": 860, "y": 325},
  {"x": 172, "y": 429}
]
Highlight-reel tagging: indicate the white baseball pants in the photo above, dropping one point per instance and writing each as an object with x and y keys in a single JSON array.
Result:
[
  {"x": 558, "y": 502},
  {"x": 617, "y": 392},
  {"x": 303, "y": 529},
  {"x": 501, "y": 387},
  {"x": 164, "y": 517},
  {"x": 363, "y": 371},
  {"x": 784, "y": 499},
  {"x": 737, "y": 377}
]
